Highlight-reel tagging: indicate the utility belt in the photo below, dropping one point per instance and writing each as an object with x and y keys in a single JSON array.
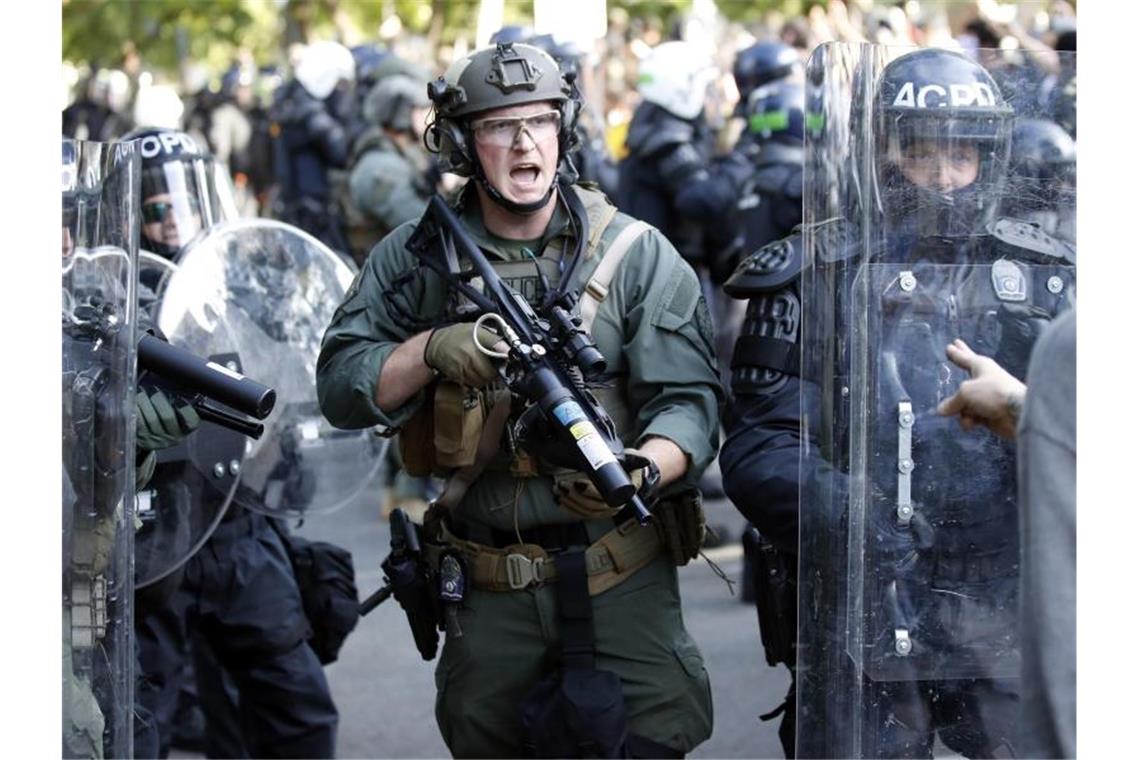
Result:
[{"x": 508, "y": 564}]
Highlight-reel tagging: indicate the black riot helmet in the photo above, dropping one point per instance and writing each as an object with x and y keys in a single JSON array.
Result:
[
  {"x": 1043, "y": 165},
  {"x": 933, "y": 105},
  {"x": 762, "y": 63},
  {"x": 777, "y": 113},
  {"x": 180, "y": 189},
  {"x": 494, "y": 77}
]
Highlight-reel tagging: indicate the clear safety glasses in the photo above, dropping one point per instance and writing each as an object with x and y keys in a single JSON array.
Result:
[{"x": 503, "y": 132}]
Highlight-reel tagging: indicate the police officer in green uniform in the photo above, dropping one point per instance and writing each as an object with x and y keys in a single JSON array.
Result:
[
  {"x": 390, "y": 176},
  {"x": 397, "y": 352}
]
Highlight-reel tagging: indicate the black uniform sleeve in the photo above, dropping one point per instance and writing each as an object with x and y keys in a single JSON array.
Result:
[
  {"x": 329, "y": 137},
  {"x": 760, "y": 459},
  {"x": 759, "y": 463},
  {"x": 681, "y": 165},
  {"x": 713, "y": 193}
]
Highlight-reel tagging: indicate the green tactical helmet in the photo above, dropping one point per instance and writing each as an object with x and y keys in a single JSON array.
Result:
[
  {"x": 390, "y": 102},
  {"x": 494, "y": 77}
]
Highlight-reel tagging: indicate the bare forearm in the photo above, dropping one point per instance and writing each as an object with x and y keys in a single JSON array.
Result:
[
  {"x": 404, "y": 373},
  {"x": 668, "y": 456}
]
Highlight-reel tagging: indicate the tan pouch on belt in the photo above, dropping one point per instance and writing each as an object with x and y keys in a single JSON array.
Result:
[{"x": 459, "y": 416}]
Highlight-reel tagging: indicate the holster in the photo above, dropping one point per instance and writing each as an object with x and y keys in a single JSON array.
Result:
[
  {"x": 411, "y": 580},
  {"x": 774, "y": 576}
]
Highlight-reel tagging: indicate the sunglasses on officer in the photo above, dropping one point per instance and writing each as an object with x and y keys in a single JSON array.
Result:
[
  {"x": 155, "y": 211},
  {"x": 503, "y": 131}
]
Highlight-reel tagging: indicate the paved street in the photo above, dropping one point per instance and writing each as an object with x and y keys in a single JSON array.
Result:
[{"x": 385, "y": 692}]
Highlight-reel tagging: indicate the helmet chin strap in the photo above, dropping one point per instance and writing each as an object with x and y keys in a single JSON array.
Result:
[{"x": 524, "y": 209}]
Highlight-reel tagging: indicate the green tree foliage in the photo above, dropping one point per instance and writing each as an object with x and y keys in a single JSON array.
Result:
[
  {"x": 748, "y": 11},
  {"x": 167, "y": 32},
  {"x": 162, "y": 32}
]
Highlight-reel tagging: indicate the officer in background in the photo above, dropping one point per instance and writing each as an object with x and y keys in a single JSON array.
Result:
[
  {"x": 310, "y": 118},
  {"x": 928, "y": 646},
  {"x": 391, "y": 177},
  {"x": 99, "y": 112},
  {"x": 762, "y": 64},
  {"x": 505, "y": 116},
  {"x": 671, "y": 180},
  {"x": 665, "y": 179},
  {"x": 374, "y": 63},
  {"x": 767, "y": 202},
  {"x": 773, "y": 142},
  {"x": 231, "y": 133},
  {"x": 239, "y": 596}
]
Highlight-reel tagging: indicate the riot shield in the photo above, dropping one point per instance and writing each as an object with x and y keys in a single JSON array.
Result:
[
  {"x": 908, "y": 629},
  {"x": 100, "y": 242},
  {"x": 193, "y": 481},
  {"x": 277, "y": 288}
]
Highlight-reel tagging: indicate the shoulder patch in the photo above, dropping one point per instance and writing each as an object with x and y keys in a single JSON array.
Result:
[
  {"x": 770, "y": 268},
  {"x": 1026, "y": 236}
]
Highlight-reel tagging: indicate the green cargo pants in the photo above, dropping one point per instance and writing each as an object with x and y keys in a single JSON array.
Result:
[{"x": 511, "y": 639}]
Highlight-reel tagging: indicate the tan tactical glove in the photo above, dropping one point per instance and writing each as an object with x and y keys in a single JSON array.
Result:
[
  {"x": 575, "y": 492},
  {"x": 452, "y": 352}
]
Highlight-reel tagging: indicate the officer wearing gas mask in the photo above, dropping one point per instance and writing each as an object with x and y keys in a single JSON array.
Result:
[
  {"x": 905, "y": 527},
  {"x": 401, "y": 349}
]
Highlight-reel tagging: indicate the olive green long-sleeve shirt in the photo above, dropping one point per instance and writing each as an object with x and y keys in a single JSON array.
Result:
[{"x": 653, "y": 328}]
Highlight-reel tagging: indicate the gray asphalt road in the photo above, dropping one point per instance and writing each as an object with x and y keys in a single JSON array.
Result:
[{"x": 385, "y": 692}]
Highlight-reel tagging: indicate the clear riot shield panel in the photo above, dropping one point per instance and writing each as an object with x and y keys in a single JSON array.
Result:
[
  {"x": 277, "y": 287},
  {"x": 193, "y": 481},
  {"x": 100, "y": 242},
  {"x": 920, "y": 229}
]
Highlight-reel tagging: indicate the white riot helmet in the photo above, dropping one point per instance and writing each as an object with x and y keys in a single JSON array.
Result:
[
  {"x": 675, "y": 76},
  {"x": 322, "y": 66}
]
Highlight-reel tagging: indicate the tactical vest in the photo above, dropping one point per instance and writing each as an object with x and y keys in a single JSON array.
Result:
[{"x": 458, "y": 414}]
